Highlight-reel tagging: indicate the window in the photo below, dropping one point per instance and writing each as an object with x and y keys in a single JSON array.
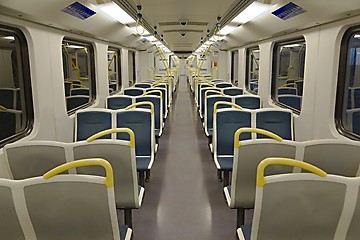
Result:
[
  {"x": 252, "y": 69},
  {"x": 288, "y": 74},
  {"x": 347, "y": 112},
  {"x": 114, "y": 70},
  {"x": 132, "y": 69},
  {"x": 79, "y": 74},
  {"x": 16, "y": 106},
  {"x": 234, "y": 67}
]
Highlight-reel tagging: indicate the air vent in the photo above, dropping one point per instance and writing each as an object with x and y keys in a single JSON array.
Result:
[
  {"x": 188, "y": 23},
  {"x": 183, "y": 44},
  {"x": 183, "y": 30}
]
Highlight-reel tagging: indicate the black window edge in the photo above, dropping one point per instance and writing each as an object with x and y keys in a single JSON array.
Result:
[
  {"x": 273, "y": 75},
  {"x": 119, "y": 69},
  {"x": 342, "y": 85},
  {"x": 92, "y": 69},
  {"x": 247, "y": 80},
  {"x": 26, "y": 90}
]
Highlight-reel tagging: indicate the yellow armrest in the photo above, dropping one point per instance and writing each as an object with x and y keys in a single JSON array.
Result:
[
  {"x": 141, "y": 104},
  {"x": 226, "y": 103},
  {"x": 260, "y": 179},
  {"x": 255, "y": 130},
  {"x": 114, "y": 130},
  {"x": 153, "y": 91},
  {"x": 213, "y": 91},
  {"x": 109, "y": 180}
]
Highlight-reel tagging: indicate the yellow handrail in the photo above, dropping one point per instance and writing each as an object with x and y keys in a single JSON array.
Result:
[
  {"x": 109, "y": 180},
  {"x": 158, "y": 84},
  {"x": 114, "y": 130},
  {"x": 288, "y": 84},
  {"x": 3, "y": 108},
  {"x": 79, "y": 85},
  {"x": 141, "y": 104},
  {"x": 260, "y": 178},
  {"x": 225, "y": 103},
  {"x": 253, "y": 130},
  {"x": 153, "y": 91},
  {"x": 213, "y": 91}
]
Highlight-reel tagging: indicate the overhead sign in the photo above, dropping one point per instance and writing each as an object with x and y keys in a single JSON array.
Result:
[
  {"x": 78, "y": 10},
  {"x": 288, "y": 11}
]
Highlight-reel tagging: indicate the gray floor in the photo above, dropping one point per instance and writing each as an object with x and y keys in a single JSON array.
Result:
[{"x": 183, "y": 199}]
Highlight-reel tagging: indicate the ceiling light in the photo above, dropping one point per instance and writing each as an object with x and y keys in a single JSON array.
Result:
[
  {"x": 227, "y": 29},
  {"x": 151, "y": 38},
  {"x": 114, "y": 11},
  {"x": 357, "y": 36},
  {"x": 252, "y": 11},
  {"x": 139, "y": 30},
  {"x": 9, "y": 37},
  {"x": 75, "y": 46}
]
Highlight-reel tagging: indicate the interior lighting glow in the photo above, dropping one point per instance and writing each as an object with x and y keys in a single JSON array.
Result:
[
  {"x": 140, "y": 30},
  {"x": 252, "y": 11},
  {"x": 114, "y": 11},
  {"x": 151, "y": 38},
  {"x": 227, "y": 29},
  {"x": 9, "y": 37},
  {"x": 357, "y": 36},
  {"x": 75, "y": 46}
]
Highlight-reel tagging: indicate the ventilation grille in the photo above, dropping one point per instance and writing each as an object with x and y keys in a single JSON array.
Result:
[
  {"x": 183, "y": 30},
  {"x": 191, "y": 23}
]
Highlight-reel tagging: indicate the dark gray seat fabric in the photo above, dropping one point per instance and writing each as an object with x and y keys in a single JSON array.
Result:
[
  {"x": 89, "y": 122},
  {"x": 118, "y": 102},
  {"x": 275, "y": 121},
  {"x": 233, "y": 91},
  {"x": 293, "y": 101},
  {"x": 133, "y": 91},
  {"x": 76, "y": 101},
  {"x": 248, "y": 102}
]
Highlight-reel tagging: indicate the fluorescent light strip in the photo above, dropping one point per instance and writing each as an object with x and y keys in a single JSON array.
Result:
[
  {"x": 140, "y": 30},
  {"x": 227, "y": 29},
  {"x": 9, "y": 38},
  {"x": 252, "y": 11},
  {"x": 114, "y": 11}
]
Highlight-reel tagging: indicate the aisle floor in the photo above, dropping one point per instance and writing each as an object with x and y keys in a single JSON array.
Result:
[{"x": 184, "y": 200}]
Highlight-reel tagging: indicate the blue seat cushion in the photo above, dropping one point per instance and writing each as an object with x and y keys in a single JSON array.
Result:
[
  {"x": 225, "y": 162},
  {"x": 123, "y": 230},
  {"x": 142, "y": 163},
  {"x": 210, "y": 131},
  {"x": 246, "y": 229}
]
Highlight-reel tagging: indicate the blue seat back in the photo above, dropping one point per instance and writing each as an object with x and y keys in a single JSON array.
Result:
[
  {"x": 287, "y": 91},
  {"x": 210, "y": 101},
  {"x": 293, "y": 101},
  {"x": 157, "y": 105},
  {"x": 278, "y": 122},
  {"x": 142, "y": 85},
  {"x": 356, "y": 122},
  {"x": 76, "y": 101},
  {"x": 202, "y": 97},
  {"x": 79, "y": 91},
  {"x": 227, "y": 122},
  {"x": 112, "y": 87},
  {"x": 223, "y": 85},
  {"x": 7, "y": 124},
  {"x": 164, "y": 97},
  {"x": 7, "y": 98},
  {"x": 67, "y": 86},
  {"x": 139, "y": 121},
  {"x": 133, "y": 91},
  {"x": 199, "y": 87},
  {"x": 356, "y": 93},
  {"x": 233, "y": 91},
  {"x": 248, "y": 102},
  {"x": 253, "y": 86},
  {"x": 299, "y": 87},
  {"x": 118, "y": 102},
  {"x": 90, "y": 122}
]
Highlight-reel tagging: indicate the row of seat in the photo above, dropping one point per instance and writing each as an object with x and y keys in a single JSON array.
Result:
[
  {"x": 72, "y": 212},
  {"x": 10, "y": 98},
  {"x": 313, "y": 205}
]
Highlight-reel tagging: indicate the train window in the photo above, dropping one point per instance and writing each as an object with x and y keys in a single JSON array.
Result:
[
  {"x": 347, "y": 111},
  {"x": 16, "y": 107},
  {"x": 288, "y": 74},
  {"x": 79, "y": 74},
  {"x": 234, "y": 67},
  {"x": 132, "y": 69},
  {"x": 114, "y": 70},
  {"x": 252, "y": 69}
]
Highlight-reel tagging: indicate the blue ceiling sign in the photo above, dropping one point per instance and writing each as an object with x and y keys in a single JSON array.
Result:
[
  {"x": 78, "y": 10},
  {"x": 288, "y": 11}
]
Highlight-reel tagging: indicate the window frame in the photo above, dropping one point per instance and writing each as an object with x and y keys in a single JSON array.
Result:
[
  {"x": 234, "y": 53},
  {"x": 119, "y": 72},
  {"x": 25, "y": 85},
  {"x": 342, "y": 85},
  {"x": 247, "y": 69},
  {"x": 92, "y": 96},
  {"x": 273, "y": 91}
]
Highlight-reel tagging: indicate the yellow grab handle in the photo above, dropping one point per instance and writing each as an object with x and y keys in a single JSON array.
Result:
[
  {"x": 226, "y": 103},
  {"x": 109, "y": 180},
  {"x": 153, "y": 91},
  {"x": 158, "y": 84},
  {"x": 114, "y": 130},
  {"x": 213, "y": 91},
  {"x": 260, "y": 178},
  {"x": 141, "y": 104},
  {"x": 79, "y": 85},
  {"x": 206, "y": 85},
  {"x": 254, "y": 130},
  {"x": 3, "y": 108}
]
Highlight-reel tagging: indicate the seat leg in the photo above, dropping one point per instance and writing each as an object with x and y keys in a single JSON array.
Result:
[
  {"x": 219, "y": 175},
  {"x": 128, "y": 217},
  {"x": 147, "y": 178},
  {"x": 226, "y": 181},
  {"x": 142, "y": 178},
  {"x": 240, "y": 216}
]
